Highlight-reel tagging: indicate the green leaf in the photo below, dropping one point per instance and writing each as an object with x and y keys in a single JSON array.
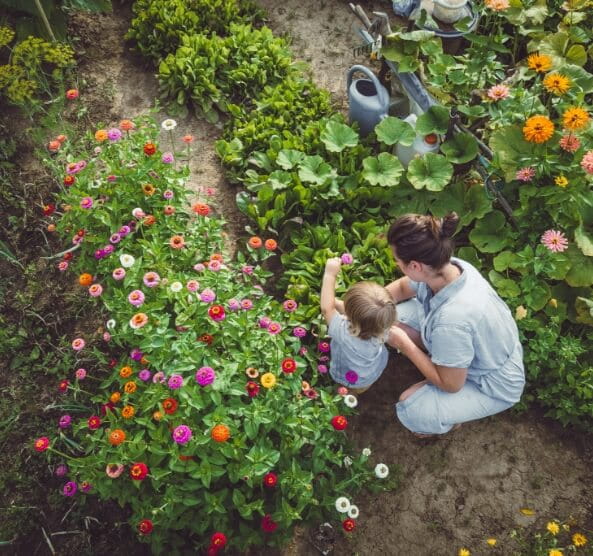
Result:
[
  {"x": 581, "y": 270},
  {"x": 489, "y": 235},
  {"x": 577, "y": 55},
  {"x": 584, "y": 309},
  {"x": 430, "y": 171},
  {"x": 313, "y": 169},
  {"x": 394, "y": 130},
  {"x": 537, "y": 295},
  {"x": 578, "y": 76},
  {"x": 470, "y": 255},
  {"x": 384, "y": 170},
  {"x": 461, "y": 148},
  {"x": 337, "y": 136},
  {"x": 584, "y": 240},
  {"x": 289, "y": 158},
  {"x": 434, "y": 120},
  {"x": 509, "y": 147},
  {"x": 504, "y": 286}
]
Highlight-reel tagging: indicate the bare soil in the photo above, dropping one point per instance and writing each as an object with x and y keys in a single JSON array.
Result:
[{"x": 457, "y": 490}]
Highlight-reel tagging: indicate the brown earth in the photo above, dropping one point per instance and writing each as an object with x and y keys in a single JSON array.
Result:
[{"x": 456, "y": 491}]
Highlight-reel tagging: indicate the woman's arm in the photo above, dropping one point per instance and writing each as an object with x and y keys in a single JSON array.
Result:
[
  {"x": 449, "y": 379},
  {"x": 328, "y": 289},
  {"x": 400, "y": 290},
  {"x": 339, "y": 305}
]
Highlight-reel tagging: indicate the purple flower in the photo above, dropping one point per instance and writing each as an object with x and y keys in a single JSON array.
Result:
[
  {"x": 175, "y": 382},
  {"x": 124, "y": 231},
  {"x": 182, "y": 434},
  {"x": 247, "y": 269},
  {"x": 151, "y": 279},
  {"x": 207, "y": 296},
  {"x": 136, "y": 354},
  {"x": 65, "y": 421},
  {"x": 299, "y": 332},
  {"x": 246, "y": 304},
  {"x": 61, "y": 470},
  {"x": 205, "y": 376},
  {"x": 323, "y": 347},
  {"x": 347, "y": 258},
  {"x": 119, "y": 274},
  {"x": 233, "y": 305},
  {"x": 322, "y": 369},
  {"x": 136, "y": 298},
  {"x": 99, "y": 254},
  {"x": 264, "y": 322},
  {"x": 86, "y": 202},
  {"x": 70, "y": 488},
  {"x": 80, "y": 374},
  {"x": 85, "y": 486},
  {"x": 168, "y": 194},
  {"x": 108, "y": 249},
  {"x": 199, "y": 267},
  {"x": 168, "y": 158},
  {"x": 274, "y": 328},
  {"x": 351, "y": 377},
  {"x": 115, "y": 238},
  {"x": 159, "y": 377},
  {"x": 144, "y": 375},
  {"x": 114, "y": 134}
]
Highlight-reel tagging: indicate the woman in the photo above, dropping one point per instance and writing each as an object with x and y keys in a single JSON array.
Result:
[{"x": 474, "y": 364}]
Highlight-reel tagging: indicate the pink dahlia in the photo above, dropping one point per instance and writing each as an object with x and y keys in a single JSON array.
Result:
[{"x": 555, "y": 241}]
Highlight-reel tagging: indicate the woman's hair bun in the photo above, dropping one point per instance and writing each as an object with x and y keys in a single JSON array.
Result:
[{"x": 449, "y": 224}]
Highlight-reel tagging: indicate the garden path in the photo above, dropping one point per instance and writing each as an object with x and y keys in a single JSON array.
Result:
[{"x": 456, "y": 491}]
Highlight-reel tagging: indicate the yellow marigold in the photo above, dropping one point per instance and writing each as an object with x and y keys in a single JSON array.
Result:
[
  {"x": 464, "y": 552},
  {"x": 268, "y": 380},
  {"x": 556, "y": 83},
  {"x": 101, "y": 135},
  {"x": 491, "y": 542},
  {"x": 553, "y": 527},
  {"x": 125, "y": 372},
  {"x": 130, "y": 387},
  {"x": 578, "y": 539},
  {"x": 128, "y": 412},
  {"x": 115, "y": 397},
  {"x": 575, "y": 118},
  {"x": 539, "y": 63},
  {"x": 561, "y": 181},
  {"x": 538, "y": 129},
  {"x": 555, "y": 552}
]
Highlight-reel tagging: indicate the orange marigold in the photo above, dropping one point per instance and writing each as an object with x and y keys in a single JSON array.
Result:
[
  {"x": 85, "y": 279},
  {"x": 220, "y": 433},
  {"x": 539, "y": 63},
  {"x": 538, "y": 129},
  {"x": 128, "y": 412},
  {"x": 116, "y": 437},
  {"x": 575, "y": 118},
  {"x": 125, "y": 372},
  {"x": 130, "y": 387},
  {"x": 556, "y": 83}
]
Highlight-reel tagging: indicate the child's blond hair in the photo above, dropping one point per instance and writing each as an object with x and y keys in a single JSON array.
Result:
[{"x": 370, "y": 310}]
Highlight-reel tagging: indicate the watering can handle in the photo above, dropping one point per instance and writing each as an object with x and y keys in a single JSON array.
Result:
[{"x": 381, "y": 91}]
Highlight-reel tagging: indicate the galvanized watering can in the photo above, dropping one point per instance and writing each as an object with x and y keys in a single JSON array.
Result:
[{"x": 368, "y": 100}]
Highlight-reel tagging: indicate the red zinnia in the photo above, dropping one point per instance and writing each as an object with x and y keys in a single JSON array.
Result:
[
  {"x": 216, "y": 312},
  {"x": 149, "y": 148},
  {"x": 145, "y": 527},
  {"x": 218, "y": 540},
  {"x": 349, "y": 525},
  {"x": 63, "y": 386},
  {"x": 49, "y": 209},
  {"x": 170, "y": 406},
  {"x": 69, "y": 180},
  {"x": 206, "y": 339},
  {"x": 67, "y": 256},
  {"x": 109, "y": 406},
  {"x": 138, "y": 471},
  {"x": 270, "y": 480},
  {"x": 289, "y": 365},
  {"x": 252, "y": 389},
  {"x": 94, "y": 422},
  {"x": 42, "y": 444},
  {"x": 339, "y": 422},
  {"x": 201, "y": 209},
  {"x": 72, "y": 94},
  {"x": 268, "y": 525}
]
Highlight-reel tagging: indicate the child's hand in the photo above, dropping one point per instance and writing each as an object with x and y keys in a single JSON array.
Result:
[{"x": 332, "y": 266}]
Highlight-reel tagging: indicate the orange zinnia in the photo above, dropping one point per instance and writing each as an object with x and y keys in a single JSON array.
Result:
[
  {"x": 216, "y": 257},
  {"x": 149, "y": 220},
  {"x": 115, "y": 397},
  {"x": 125, "y": 372},
  {"x": 126, "y": 125},
  {"x": 255, "y": 242},
  {"x": 538, "y": 129},
  {"x": 148, "y": 189},
  {"x": 157, "y": 415},
  {"x": 128, "y": 412},
  {"x": 539, "y": 63},
  {"x": 201, "y": 209},
  {"x": 116, "y": 437},
  {"x": 169, "y": 209},
  {"x": 130, "y": 387},
  {"x": 575, "y": 118},
  {"x": 177, "y": 242},
  {"x": 270, "y": 244},
  {"x": 556, "y": 83},
  {"x": 101, "y": 135},
  {"x": 220, "y": 433},
  {"x": 85, "y": 279}
]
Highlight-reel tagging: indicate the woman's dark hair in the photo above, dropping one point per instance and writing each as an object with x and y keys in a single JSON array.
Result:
[{"x": 424, "y": 238}]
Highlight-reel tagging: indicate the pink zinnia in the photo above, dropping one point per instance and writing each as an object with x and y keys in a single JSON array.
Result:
[
  {"x": 525, "y": 174},
  {"x": 86, "y": 202},
  {"x": 214, "y": 265},
  {"x": 78, "y": 344},
  {"x": 182, "y": 434},
  {"x": 96, "y": 290},
  {"x": 587, "y": 162},
  {"x": 119, "y": 274},
  {"x": 168, "y": 158},
  {"x": 151, "y": 279},
  {"x": 207, "y": 296},
  {"x": 233, "y": 305},
  {"x": 247, "y": 269},
  {"x": 80, "y": 374},
  {"x": 264, "y": 322},
  {"x": 290, "y": 305},
  {"x": 199, "y": 267},
  {"x": 114, "y": 470},
  {"x": 570, "y": 143},
  {"x": 274, "y": 328},
  {"x": 498, "y": 92},
  {"x": 175, "y": 382},
  {"x": 299, "y": 332},
  {"x": 246, "y": 304},
  {"x": 62, "y": 266},
  {"x": 205, "y": 376},
  {"x": 322, "y": 369},
  {"x": 323, "y": 347},
  {"x": 347, "y": 258},
  {"x": 136, "y": 298},
  {"x": 192, "y": 285},
  {"x": 555, "y": 241}
]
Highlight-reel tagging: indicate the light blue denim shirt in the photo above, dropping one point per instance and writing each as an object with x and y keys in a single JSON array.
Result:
[
  {"x": 467, "y": 325},
  {"x": 368, "y": 358}
]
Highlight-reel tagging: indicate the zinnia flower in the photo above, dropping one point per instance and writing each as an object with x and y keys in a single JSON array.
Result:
[
  {"x": 114, "y": 134},
  {"x": 177, "y": 242},
  {"x": 555, "y": 241},
  {"x": 353, "y": 512},
  {"x": 207, "y": 296},
  {"x": 86, "y": 202},
  {"x": 268, "y": 525},
  {"x": 339, "y": 422},
  {"x": 587, "y": 162},
  {"x": 570, "y": 143},
  {"x": 247, "y": 304},
  {"x": 268, "y": 380},
  {"x": 252, "y": 389},
  {"x": 182, "y": 434},
  {"x": 205, "y": 376},
  {"x": 175, "y": 382},
  {"x": 216, "y": 313},
  {"x": 289, "y": 365},
  {"x": 348, "y": 525},
  {"x": 116, "y": 437},
  {"x": 575, "y": 118},
  {"x": 149, "y": 149},
  {"x": 491, "y": 542},
  {"x": 138, "y": 320},
  {"x": 118, "y": 274},
  {"x": 64, "y": 385},
  {"x": 346, "y": 258},
  {"x": 65, "y": 421},
  {"x": 170, "y": 406},
  {"x": 151, "y": 279},
  {"x": 290, "y": 305},
  {"x": 366, "y": 452},
  {"x": 381, "y": 470},
  {"x": 169, "y": 124},
  {"x": 525, "y": 174},
  {"x": 127, "y": 261},
  {"x": 464, "y": 552},
  {"x": 343, "y": 504},
  {"x": 556, "y": 83},
  {"x": 255, "y": 242},
  {"x": 324, "y": 347},
  {"x": 126, "y": 125},
  {"x": 42, "y": 444},
  {"x": 85, "y": 486},
  {"x": 270, "y": 244},
  {"x": 270, "y": 480},
  {"x": 188, "y": 139},
  {"x": 538, "y": 129},
  {"x": 539, "y": 63},
  {"x": 168, "y": 158},
  {"x": 220, "y": 433},
  {"x": 72, "y": 94},
  {"x": 350, "y": 400},
  {"x": 274, "y": 328},
  {"x": 61, "y": 470},
  {"x": 299, "y": 332},
  {"x": 201, "y": 209},
  {"x": 233, "y": 305},
  {"x": 78, "y": 344},
  {"x": 138, "y": 471},
  {"x": 80, "y": 374},
  {"x": 498, "y": 92},
  {"x": 70, "y": 488},
  {"x": 145, "y": 527},
  {"x": 561, "y": 181}
]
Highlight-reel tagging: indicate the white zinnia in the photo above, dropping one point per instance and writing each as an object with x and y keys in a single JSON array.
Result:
[
  {"x": 169, "y": 124},
  {"x": 176, "y": 287},
  {"x": 350, "y": 400},
  {"x": 353, "y": 512},
  {"x": 110, "y": 324},
  {"x": 366, "y": 452},
  {"x": 138, "y": 213},
  {"x": 347, "y": 461},
  {"x": 343, "y": 504},
  {"x": 126, "y": 260},
  {"x": 381, "y": 470}
]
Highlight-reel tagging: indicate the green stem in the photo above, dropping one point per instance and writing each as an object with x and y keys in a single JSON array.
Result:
[{"x": 44, "y": 19}]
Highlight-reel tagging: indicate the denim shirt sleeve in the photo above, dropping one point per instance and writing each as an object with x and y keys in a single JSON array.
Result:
[
  {"x": 452, "y": 346},
  {"x": 334, "y": 325}
]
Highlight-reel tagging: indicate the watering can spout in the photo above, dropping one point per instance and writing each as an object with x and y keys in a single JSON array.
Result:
[{"x": 368, "y": 100}]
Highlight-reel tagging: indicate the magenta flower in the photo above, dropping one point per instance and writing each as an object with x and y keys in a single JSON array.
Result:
[
  {"x": 347, "y": 258},
  {"x": 290, "y": 305},
  {"x": 351, "y": 377},
  {"x": 151, "y": 279},
  {"x": 247, "y": 269},
  {"x": 192, "y": 285},
  {"x": 205, "y": 376},
  {"x": 207, "y": 296},
  {"x": 61, "y": 470},
  {"x": 70, "y": 488},
  {"x": 136, "y": 298},
  {"x": 322, "y": 369},
  {"x": 199, "y": 267},
  {"x": 182, "y": 434},
  {"x": 233, "y": 305},
  {"x": 86, "y": 202},
  {"x": 78, "y": 344},
  {"x": 554, "y": 241},
  {"x": 114, "y": 134},
  {"x": 299, "y": 332},
  {"x": 525, "y": 174},
  {"x": 80, "y": 374},
  {"x": 118, "y": 274},
  {"x": 65, "y": 421},
  {"x": 323, "y": 347},
  {"x": 274, "y": 328},
  {"x": 214, "y": 265},
  {"x": 168, "y": 194},
  {"x": 144, "y": 375},
  {"x": 159, "y": 377},
  {"x": 99, "y": 254},
  {"x": 115, "y": 238},
  {"x": 246, "y": 304},
  {"x": 168, "y": 158},
  {"x": 136, "y": 354},
  {"x": 175, "y": 382},
  {"x": 108, "y": 249},
  {"x": 264, "y": 322},
  {"x": 124, "y": 230},
  {"x": 85, "y": 486},
  {"x": 587, "y": 162}
]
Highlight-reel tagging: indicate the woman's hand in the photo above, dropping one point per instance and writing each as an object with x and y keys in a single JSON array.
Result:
[{"x": 399, "y": 339}]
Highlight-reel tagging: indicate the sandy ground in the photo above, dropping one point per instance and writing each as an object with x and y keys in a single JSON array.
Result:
[{"x": 457, "y": 490}]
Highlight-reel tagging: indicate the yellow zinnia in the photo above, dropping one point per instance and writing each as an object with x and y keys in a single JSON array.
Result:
[
  {"x": 538, "y": 129},
  {"x": 539, "y": 62},
  {"x": 554, "y": 552},
  {"x": 556, "y": 83},
  {"x": 553, "y": 527},
  {"x": 561, "y": 181},
  {"x": 268, "y": 380},
  {"x": 491, "y": 542},
  {"x": 464, "y": 552},
  {"x": 575, "y": 118},
  {"x": 578, "y": 539}
]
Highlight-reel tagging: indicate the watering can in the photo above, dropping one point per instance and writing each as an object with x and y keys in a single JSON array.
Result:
[{"x": 368, "y": 100}]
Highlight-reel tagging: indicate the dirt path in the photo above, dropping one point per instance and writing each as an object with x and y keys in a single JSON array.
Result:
[{"x": 457, "y": 491}]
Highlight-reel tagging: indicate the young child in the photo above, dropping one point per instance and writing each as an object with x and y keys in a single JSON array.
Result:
[{"x": 358, "y": 328}]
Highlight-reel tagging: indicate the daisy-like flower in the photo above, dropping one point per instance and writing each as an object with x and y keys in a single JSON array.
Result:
[
  {"x": 207, "y": 296},
  {"x": 346, "y": 258},
  {"x": 138, "y": 320},
  {"x": 366, "y": 452},
  {"x": 498, "y": 92},
  {"x": 353, "y": 512},
  {"x": 247, "y": 269},
  {"x": 127, "y": 261},
  {"x": 192, "y": 286},
  {"x": 268, "y": 380},
  {"x": 347, "y": 461},
  {"x": 151, "y": 279},
  {"x": 205, "y": 376},
  {"x": 539, "y": 63},
  {"x": 80, "y": 374},
  {"x": 246, "y": 304},
  {"x": 78, "y": 344},
  {"x": 118, "y": 274},
  {"x": 169, "y": 124},
  {"x": 264, "y": 322},
  {"x": 464, "y": 552},
  {"x": 578, "y": 539},
  {"x": 343, "y": 504},
  {"x": 322, "y": 368},
  {"x": 525, "y": 174},
  {"x": 176, "y": 287},
  {"x": 114, "y": 470},
  {"x": 138, "y": 213},
  {"x": 381, "y": 470},
  {"x": 86, "y": 202},
  {"x": 42, "y": 444},
  {"x": 114, "y": 134},
  {"x": 187, "y": 139},
  {"x": 299, "y": 332},
  {"x": 182, "y": 434},
  {"x": 290, "y": 305},
  {"x": 70, "y": 488},
  {"x": 144, "y": 375},
  {"x": 538, "y": 129},
  {"x": 177, "y": 242},
  {"x": 168, "y": 158},
  {"x": 274, "y": 328},
  {"x": 215, "y": 266},
  {"x": 587, "y": 162},
  {"x": 96, "y": 290},
  {"x": 575, "y": 118},
  {"x": 556, "y": 83},
  {"x": 553, "y": 527},
  {"x": 350, "y": 400},
  {"x": 136, "y": 298},
  {"x": 497, "y": 5},
  {"x": 561, "y": 181},
  {"x": 555, "y": 241},
  {"x": 323, "y": 347},
  {"x": 570, "y": 143}
]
